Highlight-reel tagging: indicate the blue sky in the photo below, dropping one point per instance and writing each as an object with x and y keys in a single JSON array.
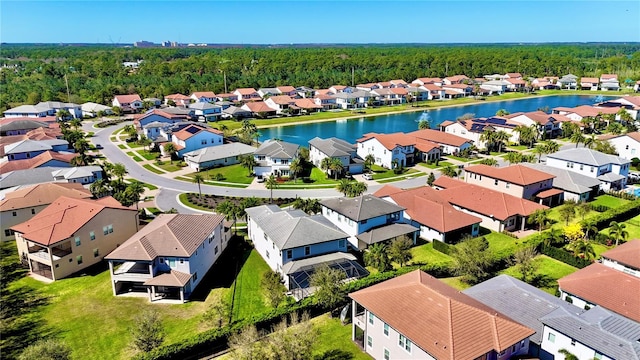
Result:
[{"x": 346, "y": 21}]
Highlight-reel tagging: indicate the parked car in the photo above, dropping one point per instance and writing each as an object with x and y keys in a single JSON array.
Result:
[
  {"x": 260, "y": 178},
  {"x": 367, "y": 176},
  {"x": 98, "y": 146}
]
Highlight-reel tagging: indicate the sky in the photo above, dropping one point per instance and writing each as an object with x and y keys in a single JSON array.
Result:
[{"x": 319, "y": 21}]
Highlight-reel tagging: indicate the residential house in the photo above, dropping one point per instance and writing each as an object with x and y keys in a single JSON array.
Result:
[
  {"x": 576, "y": 187},
  {"x": 397, "y": 149},
  {"x": 203, "y": 96},
  {"x": 472, "y": 129},
  {"x": 456, "y": 79},
  {"x": 328, "y": 102},
  {"x": 177, "y": 99},
  {"x": 27, "y": 149},
  {"x": 499, "y": 211},
  {"x": 22, "y": 125},
  {"x": 193, "y": 137},
  {"x": 368, "y": 220},
  {"x": 609, "y": 82},
  {"x": 496, "y": 86},
  {"x": 588, "y": 83},
  {"x": 335, "y": 89},
  {"x": 611, "y": 170},
  {"x": 434, "y": 216},
  {"x": 335, "y": 148},
  {"x": 154, "y": 102},
  {"x": 154, "y": 120},
  {"x": 494, "y": 77},
  {"x": 25, "y": 177},
  {"x": 580, "y": 112},
  {"x": 206, "y": 111},
  {"x": 517, "y": 180},
  {"x": 305, "y": 92},
  {"x": 294, "y": 244},
  {"x": 599, "y": 284},
  {"x": 91, "y": 109},
  {"x": 79, "y": 174},
  {"x": 559, "y": 324},
  {"x": 227, "y": 97},
  {"x": 384, "y": 85},
  {"x": 128, "y": 103},
  {"x": 287, "y": 90},
  {"x": 593, "y": 334},
  {"x": 282, "y": 104},
  {"x": 630, "y": 104},
  {"x": 568, "y": 81},
  {"x": 398, "y": 83},
  {"x": 424, "y": 81},
  {"x": 515, "y": 84},
  {"x": 462, "y": 89},
  {"x": 449, "y": 143},
  {"x": 46, "y": 159},
  {"x": 352, "y": 100},
  {"x": 307, "y": 105},
  {"x": 416, "y": 316},
  {"x": 627, "y": 145},
  {"x": 624, "y": 257},
  {"x": 367, "y": 87},
  {"x": 169, "y": 257},
  {"x": 215, "y": 156},
  {"x": 72, "y": 234},
  {"x": 434, "y": 92},
  {"x": 515, "y": 75},
  {"x": 548, "y": 126},
  {"x": 266, "y": 92},
  {"x": 45, "y": 109},
  {"x": 546, "y": 83},
  {"x": 259, "y": 109},
  {"x": 234, "y": 112},
  {"x": 273, "y": 157},
  {"x": 246, "y": 94},
  {"x": 21, "y": 205},
  {"x": 389, "y": 96},
  {"x": 418, "y": 93}
]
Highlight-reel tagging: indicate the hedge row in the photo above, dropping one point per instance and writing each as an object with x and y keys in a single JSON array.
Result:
[
  {"x": 565, "y": 257},
  {"x": 620, "y": 213},
  {"x": 442, "y": 247}
]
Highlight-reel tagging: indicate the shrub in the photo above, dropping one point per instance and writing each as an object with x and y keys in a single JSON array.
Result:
[
  {"x": 441, "y": 246},
  {"x": 619, "y": 214},
  {"x": 565, "y": 257}
]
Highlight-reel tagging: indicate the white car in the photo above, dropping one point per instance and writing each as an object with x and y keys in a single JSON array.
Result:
[{"x": 367, "y": 176}]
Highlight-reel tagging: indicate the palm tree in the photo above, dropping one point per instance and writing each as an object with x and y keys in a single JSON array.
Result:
[
  {"x": 343, "y": 186},
  {"x": 357, "y": 188},
  {"x": 488, "y": 137},
  {"x": 513, "y": 157},
  {"x": 133, "y": 192},
  {"x": 591, "y": 229},
  {"x": 230, "y": 211},
  {"x": 170, "y": 149},
  {"x": 583, "y": 209},
  {"x": 377, "y": 256},
  {"x": 590, "y": 141},
  {"x": 248, "y": 161},
  {"x": 582, "y": 247},
  {"x": 540, "y": 217},
  {"x": 526, "y": 134},
  {"x": 500, "y": 137},
  {"x": 618, "y": 231},
  {"x": 81, "y": 146},
  {"x": 198, "y": 178},
  {"x": 63, "y": 114},
  {"x": 119, "y": 171},
  {"x": 423, "y": 125},
  {"x": 131, "y": 130},
  {"x": 489, "y": 161},
  {"x": 325, "y": 164},
  {"x": 577, "y": 138},
  {"x": 625, "y": 117},
  {"x": 552, "y": 237},
  {"x": 551, "y": 146},
  {"x": 567, "y": 355},
  {"x": 336, "y": 167},
  {"x": 271, "y": 183},
  {"x": 615, "y": 128},
  {"x": 369, "y": 160},
  {"x": 295, "y": 167},
  {"x": 99, "y": 188},
  {"x": 449, "y": 171},
  {"x": 76, "y": 123}
]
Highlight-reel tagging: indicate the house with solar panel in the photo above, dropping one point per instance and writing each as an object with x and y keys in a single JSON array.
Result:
[
  {"x": 472, "y": 129},
  {"x": 294, "y": 244},
  {"x": 188, "y": 136}
]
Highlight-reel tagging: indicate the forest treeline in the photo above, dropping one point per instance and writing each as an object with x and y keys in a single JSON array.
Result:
[{"x": 95, "y": 73}]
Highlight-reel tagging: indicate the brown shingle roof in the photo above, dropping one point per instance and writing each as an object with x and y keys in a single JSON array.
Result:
[
  {"x": 515, "y": 174},
  {"x": 439, "y": 319},
  {"x": 36, "y": 161},
  {"x": 42, "y": 194},
  {"x": 65, "y": 216},
  {"x": 168, "y": 235},
  {"x": 172, "y": 278},
  {"x": 627, "y": 254},
  {"x": 612, "y": 289}
]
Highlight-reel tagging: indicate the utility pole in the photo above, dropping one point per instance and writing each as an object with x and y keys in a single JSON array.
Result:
[
  {"x": 353, "y": 76},
  {"x": 67, "y": 83},
  {"x": 224, "y": 74}
]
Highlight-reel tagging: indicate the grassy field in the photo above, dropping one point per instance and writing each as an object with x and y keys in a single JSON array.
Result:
[
  {"x": 608, "y": 200},
  {"x": 122, "y": 146},
  {"x": 248, "y": 298},
  {"x": 547, "y": 273},
  {"x": 152, "y": 169},
  {"x": 232, "y": 174},
  {"x": 425, "y": 254},
  {"x": 148, "y": 155}
]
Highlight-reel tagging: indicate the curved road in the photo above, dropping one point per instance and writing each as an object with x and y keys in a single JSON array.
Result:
[{"x": 170, "y": 188}]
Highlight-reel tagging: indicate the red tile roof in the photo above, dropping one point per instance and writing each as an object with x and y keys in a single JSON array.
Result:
[
  {"x": 60, "y": 220},
  {"x": 177, "y": 97},
  {"x": 426, "y": 206},
  {"x": 398, "y": 82},
  {"x": 439, "y": 319},
  {"x": 245, "y": 91},
  {"x": 428, "y": 80},
  {"x": 282, "y": 99},
  {"x": 590, "y": 80},
  {"x": 514, "y": 75},
  {"x": 286, "y": 89},
  {"x": 516, "y": 81},
  {"x": 42, "y": 194},
  {"x": 612, "y": 289},
  {"x": 258, "y": 106},
  {"x": 515, "y": 174},
  {"x": 627, "y": 254},
  {"x": 307, "y": 104},
  {"x": 201, "y": 94},
  {"x": 586, "y": 110},
  {"x": 457, "y": 78},
  {"x": 440, "y": 137},
  {"x": 164, "y": 114},
  {"x": 399, "y": 91},
  {"x": 36, "y": 161},
  {"x": 127, "y": 99},
  {"x": 484, "y": 201},
  {"x": 608, "y": 76},
  {"x": 548, "y": 193},
  {"x": 391, "y": 141}
]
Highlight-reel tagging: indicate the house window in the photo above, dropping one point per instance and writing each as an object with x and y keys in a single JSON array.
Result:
[
  {"x": 284, "y": 162},
  {"x": 495, "y": 182},
  {"x": 573, "y": 342},
  {"x": 581, "y": 166},
  {"x": 404, "y": 343},
  {"x": 215, "y": 250},
  {"x": 33, "y": 211},
  {"x": 195, "y": 276},
  {"x": 502, "y": 353},
  {"x": 342, "y": 243},
  {"x": 626, "y": 147},
  {"x": 567, "y": 164},
  {"x": 78, "y": 259},
  {"x": 507, "y": 185},
  {"x": 386, "y": 354},
  {"x": 15, "y": 213},
  {"x": 172, "y": 263},
  {"x": 203, "y": 142},
  {"x": 267, "y": 253},
  {"x": 161, "y": 260},
  {"x": 597, "y": 356},
  {"x": 551, "y": 337},
  {"x": 307, "y": 250},
  {"x": 96, "y": 252},
  {"x": 371, "y": 318},
  {"x": 92, "y": 235},
  {"x": 77, "y": 240},
  {"x": 369, "y": 341},
  {"x": 513, "y": 349},
  {"x": 592, "y": 168},
  {"x": 385, "y": 329},
  {"x": 211, "y": 237},
  {"x": 289, "y": 254},
  {"x": 8, "y": 232},
  {"x": 181, "y": 261},
  {"x": 265, "y": 237}
]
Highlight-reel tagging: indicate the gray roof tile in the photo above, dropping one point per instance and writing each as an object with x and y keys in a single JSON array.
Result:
[
  {"x": 587, "y": 157},
  {"x": 361, "y": 207},
  {"x": 333, "y": 146}
]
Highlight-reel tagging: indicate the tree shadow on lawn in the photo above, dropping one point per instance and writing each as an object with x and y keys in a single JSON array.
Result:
[
  {"x": 542, "y": 281},
  {"x": 334, "y": 354},
  {"x": 225, "y": 270}
]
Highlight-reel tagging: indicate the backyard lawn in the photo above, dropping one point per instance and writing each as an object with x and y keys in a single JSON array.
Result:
[
  {"x": 547, "y": 273},
  {"x": 426, "y": 254},
  {"x": 609, "y": 201}
]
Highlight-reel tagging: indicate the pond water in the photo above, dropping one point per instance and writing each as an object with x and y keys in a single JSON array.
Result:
[{"x": 353, "y": 129}]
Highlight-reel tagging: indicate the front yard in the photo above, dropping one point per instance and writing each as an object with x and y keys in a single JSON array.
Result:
[{"x": 236, "y": 174}]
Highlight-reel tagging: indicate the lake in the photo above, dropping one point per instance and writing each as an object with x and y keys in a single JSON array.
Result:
[{"x": 353, "y": 129}]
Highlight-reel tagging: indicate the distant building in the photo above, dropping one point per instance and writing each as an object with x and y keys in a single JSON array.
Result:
[{"x": 143, "y": 44}]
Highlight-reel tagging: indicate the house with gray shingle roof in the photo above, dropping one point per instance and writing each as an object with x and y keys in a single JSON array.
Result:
[
  {"x": 335, "y": 148},
  {"x": 293, "y": 243},
  {"x": 611, "y": 170},
  {"x": 576, "y": 187},
  {"x": 274, "y": 157},
  {"x": 221, "y": 155},
  {"x": 169, "y": 257},
  {"x": 27, "y": 149},
  {"x": 368, "y": 219}
]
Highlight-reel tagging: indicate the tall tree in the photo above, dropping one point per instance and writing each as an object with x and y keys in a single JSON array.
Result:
[
  {"x": 148, "y": 331},
  {"x": 170, "y": 149},
  {"x": 377, "y": 256},
  {"x": 336, "y": 167},
  {"x": 539, "y": 217},
  {"x": 523, "y": 259},
  {"x": 472, "y": 260},
  {"x": 567, "y": 212},
  {"x": 369, "y": 160},
  {"x": 271, "y": 183},
  {"x": 295, "y": 167},
  {"x": 329, "y": 286},
  {"x": 325, "y": 165},
  {"x": 618, "y": 231},
  {"x": 400, "y": 250},
  {"x": 273, "y": 288},
  {"x": 198, "y": 179},
  {"x": 449, "y": 171},
  {"x": 133, "y": 192},
  {"x": 248, "y": 161},
  {"x": 344, "y": 186}
]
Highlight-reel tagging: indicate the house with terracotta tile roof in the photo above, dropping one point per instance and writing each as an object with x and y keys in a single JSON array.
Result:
[
  {"x": 426, "y": 80},
  {"x": 515, "y": 75},
  {"x": 589, "y": 83},
  {"x": 472, "y": 129},
  {"x": 294, "y": 244},
  {"x": 46, "y": 159},
  {"x": 335, "y": 148},
  {"x": 544, "y": 84},
  {"x": 398, "y": 83},
  {"x": 579, "y": 112},
  {"x": 631, "y": 104},
  {"x": 609, "y": 82},
  {"x": 159, "y": 118},
  {"x": 624, "y": 257},
  {"x": 21, "y": 205},
  {"x": 178, "y": 100},
  {"x": 287, "y": 90},
  {"x": 193, "y": 137},
  {"x": 259, "y": 109},
  {"x": 456, "y": 79},
  {"x": 169, "y": 257},
  {"x": 367, "y": 220},
  {"x": 397, "y": 149},
  {"x": 434, "y": 91},
  {"x": 335, "y": 89},
  {"x": 327, "y": 101},
  {"x": 517, "y": 180},
  {"x": 247, "y": 94},
  {"x": 498, "y": 211},
  {"x": 282, "y": 104},
  {"x": 416, "y": 316},
  {"x": 203, "y": 96},
  {"x": 367, "y": 86},
  {"x": 627, "y": 145},
  {"x": 548, "y": 124},
  {"x": 515, "y": 84},
  {"x": 389, "y": 96},
  {"x": 72, "y": 234},
  {"x": 436, "y": 218},
  {"x": 449, "y": 143},
  {"x": 575, "y": 187},
  {"x": 611, "y": 170},
  {"x": 384, "y": 84},
  {"x": 599, "y": 284},
  {"x": 128, "y": 103},
  {"x": 307, "y": 105}
]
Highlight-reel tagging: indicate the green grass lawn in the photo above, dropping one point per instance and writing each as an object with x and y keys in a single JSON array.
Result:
[
  {"x": 148, "y": 155},
  {"x": 518, "y": 147},
  {"x": 608, "y": 200},
  {"x": 168, "y": 166},
  {"x": 456, "y": 282},
  {"x": 458, "y": 158},
  {"x": 434, "y": 166},
  {"x": 122, "y": 146},
  {"x": 248, "y": 298},
  {"x": 425, "y": 254},
  {"x": 152, "y": 169},
  {"x": 380, "y": 173},
  {"x": 135, "y": 158},
  {"x": 503, "y": 245},
  {"x": 547, "y": 273},
  {"x": 232, "y": 174}
]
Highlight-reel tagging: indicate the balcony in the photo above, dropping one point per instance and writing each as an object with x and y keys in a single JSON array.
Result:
[
  {"x": 132, "y": 271},
  {"x": 359, "y": 320}
]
